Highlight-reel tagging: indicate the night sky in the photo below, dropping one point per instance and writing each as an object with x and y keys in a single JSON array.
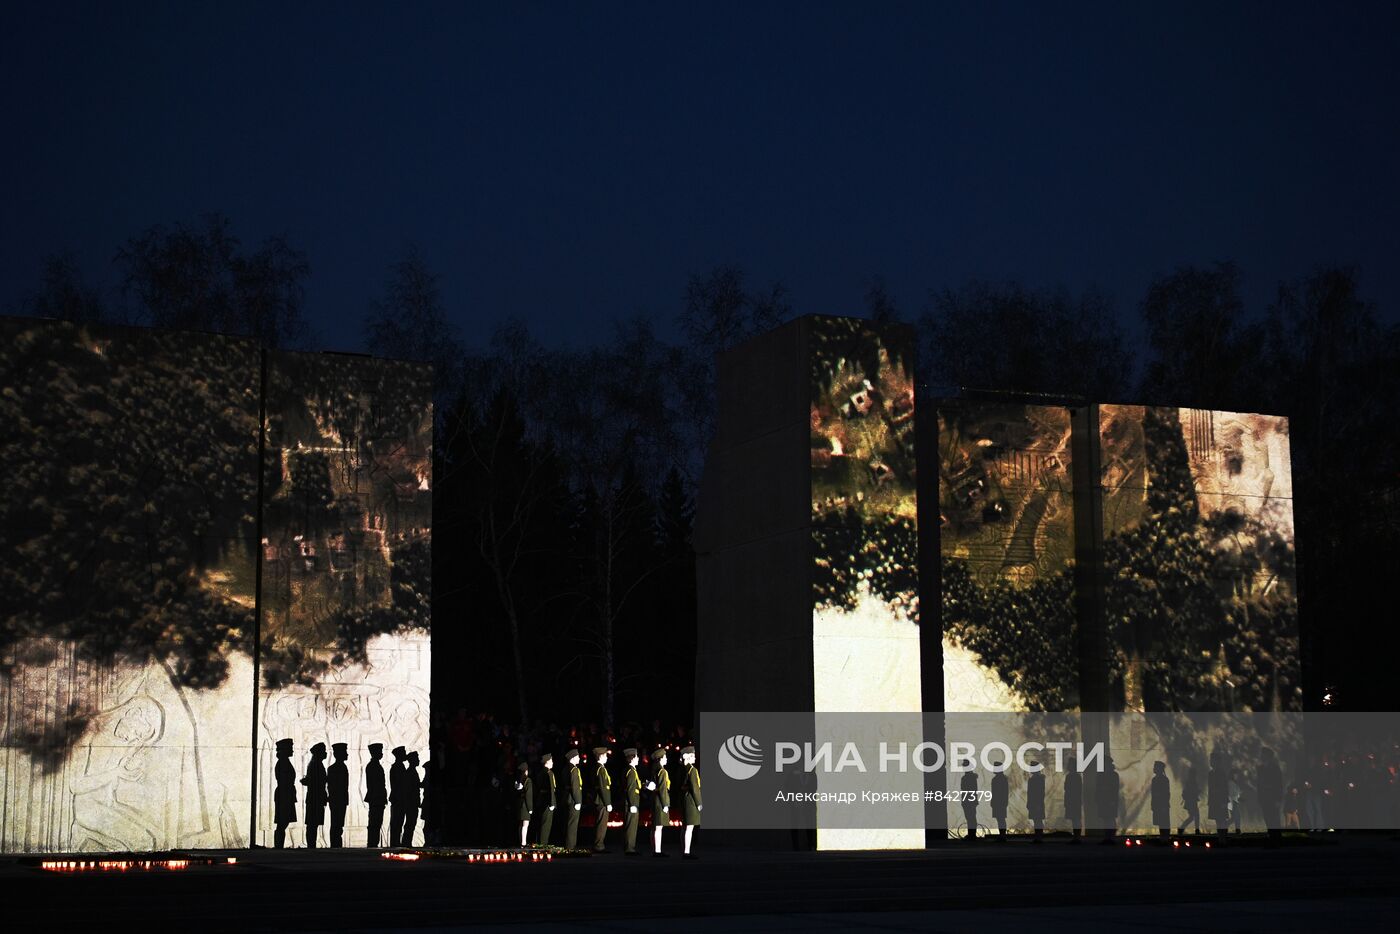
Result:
[{"x": 568, "y": 163}]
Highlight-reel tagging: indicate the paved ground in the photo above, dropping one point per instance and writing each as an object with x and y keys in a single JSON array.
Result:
[{"x": 1351, "y": 884}]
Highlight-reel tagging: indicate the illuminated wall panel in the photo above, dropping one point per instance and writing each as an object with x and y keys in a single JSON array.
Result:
[
  {"x": 865, "y": 616},
  {"x": 347, "y": 571},
  {"x": 128, "y": 560},
  {"x": 126, "y": 581},
  {"x": 1201, "y": 594},
  {"x": 1006, "y": 539}
]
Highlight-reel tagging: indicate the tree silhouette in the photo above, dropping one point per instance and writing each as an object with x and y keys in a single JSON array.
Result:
[{"x": 198, "y": 277}]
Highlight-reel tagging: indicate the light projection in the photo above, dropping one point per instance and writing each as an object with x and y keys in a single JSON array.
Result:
[
  {"x": 865, "y": 618},
  {"x": 1006, "y": 514},
  {"x": 1200, "y": 595},
  {"x": 128, "y": 562},
  {"x": 346, "y": 571}
]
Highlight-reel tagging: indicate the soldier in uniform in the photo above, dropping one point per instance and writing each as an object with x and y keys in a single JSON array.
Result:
[
  {"x": 1161, "y": 799},
  {"x": 338, "y": 793},
  {"x": 549, "y": 797},
  {"x": 660, "y": 788},
  {"x": 693, "y": 804},
  {"x": 413, "y": 787},
  {"x": 1035, "y": 802},
  {"x": 602, "y": 799},
  {"x": 1001, "y": 797},
  {"x": 315, "y": 782},
  {"x": 968, "y": 787},
  {"x": 1106, "y": 799},
  {"x": 375, "y": 794},
  {"x": 1074, "y": 803},
  {"x": 574, "y": 800},
  {"x": 525, "y": 800},
  {"x": 632, "y": 785},
  {"x": 397, "y": 795},
  {"x": 284, "y": 795}
]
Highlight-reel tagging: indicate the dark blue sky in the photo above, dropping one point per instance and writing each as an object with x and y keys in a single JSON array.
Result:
[{"x": 568, "y": 164}]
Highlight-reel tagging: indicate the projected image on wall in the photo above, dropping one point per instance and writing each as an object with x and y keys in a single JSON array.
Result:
[
  {"x": 865, "y": 619},
  {"x": 1007, "y": 545},
  {"x": 346, "y": 569},
  {"x": 129, "y": 554},
  {"x": 864, "y": 522},
  {"x": 1201, "y": 597},
  {"x": 126, "y": 581}
]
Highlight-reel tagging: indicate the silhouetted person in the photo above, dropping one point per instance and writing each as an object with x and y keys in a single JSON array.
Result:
[
  {"x": 1270, "y": 786},
  {"x": 1074, "y": 803},
  {"x": 412, "y": 789},
  {"x": 429, "y": 805},
  {"x": 284, "y": 795},
  {"x": 968, "y": 787},
  {"x": 1191, "y": 800},
  {"x": 1001, "y": 795},
  {"x": 524, "y": 800},
  {"x": 315, "y": 782},
  {"x": 1161, "y": 799},
  {"x": 1218, "y": 793},
  {"x": 1035, "y": 803},
  {"x": 376, "y": 795},
  {"x": 1107, "y": 800},
  {"x": 549, "y": 798},
  {"x": 398, "y": 796},
  {"x": 338, "y": 793}
]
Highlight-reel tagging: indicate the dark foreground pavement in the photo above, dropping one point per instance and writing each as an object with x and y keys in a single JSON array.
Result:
[{"x": 1341, "y": 884}]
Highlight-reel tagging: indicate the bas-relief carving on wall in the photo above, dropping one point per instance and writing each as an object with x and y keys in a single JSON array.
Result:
[
  {"x": 383, "y": 702},
  {"x": 156, "y": 767}
]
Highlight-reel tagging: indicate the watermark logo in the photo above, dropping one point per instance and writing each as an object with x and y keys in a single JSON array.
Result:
[{"x": 740, "y": 757}]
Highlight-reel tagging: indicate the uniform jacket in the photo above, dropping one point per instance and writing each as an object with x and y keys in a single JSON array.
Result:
[
  {"x": 633, "y": 789},
  {"x": 284, "y": 796},
  {"x": 549, "y": 790},
  {"x": 1001, "y": 794},
  {"x": 338, "y": 785},
  {"x": 1035, "y": 796},
  {"x": 315, "y": 782},
  {"x": 575, "y": 786},
  {"x": 661, "y": 797},
  {"x": 602, "y": 793},
  {"x": 375, "y": 792},
  {"x": 1161, "y": 800},
  {"x": 1074, "y": 795},
  {"x": 526, "y": 796}
]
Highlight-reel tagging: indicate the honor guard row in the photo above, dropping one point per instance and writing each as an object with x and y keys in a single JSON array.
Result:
[
  {"x": 658, "y": 785},
  {"x": 331, "y": 786}
]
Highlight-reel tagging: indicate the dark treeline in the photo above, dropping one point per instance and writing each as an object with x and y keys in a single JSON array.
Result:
[{"x": 565, "y": 479}]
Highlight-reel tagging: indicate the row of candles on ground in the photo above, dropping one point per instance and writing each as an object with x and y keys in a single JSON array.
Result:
[
  {"x": 503, "y": 856},
  {"x": 122, "y": 865},
  {"x": 1176, "y": 844}
]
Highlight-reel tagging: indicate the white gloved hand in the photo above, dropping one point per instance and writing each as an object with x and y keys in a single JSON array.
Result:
[
  {"x": 578, "y": 807},
  {"x": 651, "y": 786},
  {"x": 519, "y": 787},
  {"x": 633, "y": 809},
  {"x": 551, "y": 807},
  {"x": 699, "y": 807}
]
